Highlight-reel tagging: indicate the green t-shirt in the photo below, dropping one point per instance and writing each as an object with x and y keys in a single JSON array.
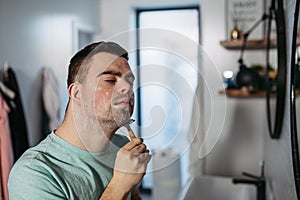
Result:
[{"x": 56, "y": 169}]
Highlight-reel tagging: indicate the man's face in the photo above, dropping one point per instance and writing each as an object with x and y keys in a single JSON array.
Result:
[{"x": 107, "y": 90}]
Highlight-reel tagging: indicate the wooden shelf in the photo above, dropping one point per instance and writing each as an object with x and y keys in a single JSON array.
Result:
[
  {"x": 236, "y": 93},
  {"x": 251, "y": 44},
  {"x": 243, "y": 93}
]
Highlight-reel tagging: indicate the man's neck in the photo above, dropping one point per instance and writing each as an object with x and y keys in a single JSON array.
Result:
[{"x": 89, "y": 140}]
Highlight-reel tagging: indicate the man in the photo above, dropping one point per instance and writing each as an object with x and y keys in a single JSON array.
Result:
[{"x": 84, "y": 158}]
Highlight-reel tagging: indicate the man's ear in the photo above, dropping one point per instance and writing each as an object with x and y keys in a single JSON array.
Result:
[{"x": 74, "y": 92}]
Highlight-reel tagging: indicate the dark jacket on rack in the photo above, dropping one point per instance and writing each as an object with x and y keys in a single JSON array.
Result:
[{"x": 17, "y": 121}]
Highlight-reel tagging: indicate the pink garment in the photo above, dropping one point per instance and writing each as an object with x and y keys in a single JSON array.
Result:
[{"x": 6, "y": 152}]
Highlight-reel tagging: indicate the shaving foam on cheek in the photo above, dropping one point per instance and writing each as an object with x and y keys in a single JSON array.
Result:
[{"x": 101, "y": 97}]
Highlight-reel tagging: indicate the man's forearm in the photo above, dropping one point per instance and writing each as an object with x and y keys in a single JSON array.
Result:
[{"x": 114, "y": 191}]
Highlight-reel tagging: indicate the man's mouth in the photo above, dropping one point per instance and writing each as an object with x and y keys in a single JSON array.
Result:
[{"x": 122, "y": 102}]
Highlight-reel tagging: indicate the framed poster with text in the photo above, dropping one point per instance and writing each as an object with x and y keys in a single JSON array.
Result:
[{"x": 244, "y": 14}]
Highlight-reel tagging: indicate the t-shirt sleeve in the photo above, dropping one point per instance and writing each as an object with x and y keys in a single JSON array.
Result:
[{"x": 32, "y": 181}]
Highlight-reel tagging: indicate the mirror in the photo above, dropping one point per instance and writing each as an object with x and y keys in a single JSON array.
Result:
[
  {"x": 276, "y": 11},
  {"x": 293, "y": 121}
]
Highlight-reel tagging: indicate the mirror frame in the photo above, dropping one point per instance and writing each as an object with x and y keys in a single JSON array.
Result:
[
  {"x": 278, "y": 11},
  {"x": 293, "y": 120}
]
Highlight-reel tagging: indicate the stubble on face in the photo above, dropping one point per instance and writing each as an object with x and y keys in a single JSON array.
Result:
[
  {"x": 121, "y": 115},
  {"x": 104, "y": 106},
  {"x": 112, "y": 116}
]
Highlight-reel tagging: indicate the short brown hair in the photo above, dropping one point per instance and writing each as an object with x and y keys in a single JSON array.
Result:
[{"x": 78, "y": 60}]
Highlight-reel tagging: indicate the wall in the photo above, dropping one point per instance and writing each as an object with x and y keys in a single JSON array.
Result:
[
  {"x": 34, "y": 34},
  {"x": 277, "y": 153},
  {"x": 237, "y": 126}
]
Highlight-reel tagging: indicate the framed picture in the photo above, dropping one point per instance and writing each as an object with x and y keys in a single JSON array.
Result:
[{"x": 244, "y": 14}]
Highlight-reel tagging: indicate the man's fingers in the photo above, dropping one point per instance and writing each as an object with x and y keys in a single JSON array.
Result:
[
  {"x": 144, "y": 158},
  {"x": 132, "y": 144},
  {"x": 141, "y": 148}
]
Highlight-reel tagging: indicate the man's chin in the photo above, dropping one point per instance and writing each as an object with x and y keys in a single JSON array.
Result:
[{"x": 121, "y": 120}]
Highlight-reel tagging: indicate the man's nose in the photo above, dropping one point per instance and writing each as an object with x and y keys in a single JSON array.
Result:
[{"x": 124, "y": 86}]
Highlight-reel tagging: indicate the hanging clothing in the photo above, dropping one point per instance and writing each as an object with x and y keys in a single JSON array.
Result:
[
  {"x": 6, "y": 152},
  {"x": 50, "y": 101},
  {"x": 17, "y": 121}
]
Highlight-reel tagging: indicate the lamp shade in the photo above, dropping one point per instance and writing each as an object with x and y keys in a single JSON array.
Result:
[{"x": 247, "y": 77}]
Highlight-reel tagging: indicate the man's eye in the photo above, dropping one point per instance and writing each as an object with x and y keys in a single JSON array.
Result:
[{"x": 110, "y": 80}]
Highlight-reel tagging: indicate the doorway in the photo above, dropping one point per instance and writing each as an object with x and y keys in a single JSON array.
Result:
[{"x": 167, "y": 60}]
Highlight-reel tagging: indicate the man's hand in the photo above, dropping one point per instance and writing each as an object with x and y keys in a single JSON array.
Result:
[
  {"x": 131, "y": 163},
  {"x": 130, "y": 167}
]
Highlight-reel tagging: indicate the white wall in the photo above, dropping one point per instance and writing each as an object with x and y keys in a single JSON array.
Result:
[
  {"x": 34, "y": 34},
  {"x": 240, "y": 142}
]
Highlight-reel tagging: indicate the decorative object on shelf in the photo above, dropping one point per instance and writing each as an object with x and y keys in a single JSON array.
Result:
[
  {"x": 271, "y": 75},
  {"x": 229, "y": 79},
  {"x": 251, "y": 79},
  {"x": 235, "y": 33}
]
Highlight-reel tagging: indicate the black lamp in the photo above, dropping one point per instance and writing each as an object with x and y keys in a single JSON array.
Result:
[{"x": 247, "y": 77}]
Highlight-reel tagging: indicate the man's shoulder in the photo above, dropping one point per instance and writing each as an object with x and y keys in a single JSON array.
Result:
[
  {"x": 33, "y": 173},
  {"x": 34, "y": 157},
  {"x": 31, "y": 176},
  {"x": 28, "y": 167}
]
